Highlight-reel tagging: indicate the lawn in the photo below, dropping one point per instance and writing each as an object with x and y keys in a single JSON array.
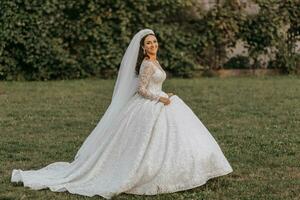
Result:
[{"x": 255, "y": 120}]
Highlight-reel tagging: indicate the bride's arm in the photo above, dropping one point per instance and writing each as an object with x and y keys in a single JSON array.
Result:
[{"x": 144, "y": 78}]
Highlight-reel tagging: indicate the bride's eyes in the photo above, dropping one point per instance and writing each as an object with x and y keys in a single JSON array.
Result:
[{"x": 153, "y": 42}]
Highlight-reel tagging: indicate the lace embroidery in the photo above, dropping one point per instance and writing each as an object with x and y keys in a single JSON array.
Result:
[{"x": 144, "y": 78}]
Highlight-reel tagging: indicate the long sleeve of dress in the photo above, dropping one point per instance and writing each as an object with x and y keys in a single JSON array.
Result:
[{"x": 144, "y": 78}]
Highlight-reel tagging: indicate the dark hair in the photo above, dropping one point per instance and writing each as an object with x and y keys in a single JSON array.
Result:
[{"x": 141, "y": 54}]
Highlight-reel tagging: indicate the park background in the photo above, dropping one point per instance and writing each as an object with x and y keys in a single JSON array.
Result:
[
  {"x": 59, "y": 61},
  {"x": 46, "y": 40}
]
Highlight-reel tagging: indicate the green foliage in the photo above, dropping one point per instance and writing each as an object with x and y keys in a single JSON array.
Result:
[
  {"x": 285, "y": 61},
  {"x": 218, "y": 30},
  {"x": 262, "y": 30},
  {"x": 69, "y": 39},
  {"x": 268, "y": 30},
  {"x": 238, "y": 62},
  {"x": 287, "y": 64},
  {"x": 66, "y": 39}
]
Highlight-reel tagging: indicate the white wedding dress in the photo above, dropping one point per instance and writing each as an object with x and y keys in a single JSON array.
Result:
[{"x": 149, "y": 149}]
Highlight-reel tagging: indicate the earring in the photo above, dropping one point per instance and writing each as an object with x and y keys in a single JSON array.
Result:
[{"x": 144, "y": 51}]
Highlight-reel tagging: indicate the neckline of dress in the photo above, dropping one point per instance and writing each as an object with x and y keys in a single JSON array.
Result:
[
  {"x": 157, "y": 64},
  {"x": 153, "y": 61}
]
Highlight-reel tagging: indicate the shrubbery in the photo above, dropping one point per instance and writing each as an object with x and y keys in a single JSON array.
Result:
[
  {"x": 238, "y": 62},
  {"x": 67, "y": 39}
]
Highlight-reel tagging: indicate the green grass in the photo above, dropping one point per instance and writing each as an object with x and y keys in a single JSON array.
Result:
[{"x": 256, "y": 122}]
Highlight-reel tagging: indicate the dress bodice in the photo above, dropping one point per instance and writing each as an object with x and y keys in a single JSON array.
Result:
[{"x": 151, "y": 78}]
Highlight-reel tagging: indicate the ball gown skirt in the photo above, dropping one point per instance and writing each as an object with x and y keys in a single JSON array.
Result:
[{"x": 151, "y": 149}]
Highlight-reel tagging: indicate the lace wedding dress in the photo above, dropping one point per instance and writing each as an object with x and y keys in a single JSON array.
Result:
[{"x": 150, "y": 149}]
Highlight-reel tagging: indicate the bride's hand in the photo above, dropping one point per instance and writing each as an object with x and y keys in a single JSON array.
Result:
[
  {"x": 170, "y": 94},
  {"x": 165, "y": 100}
]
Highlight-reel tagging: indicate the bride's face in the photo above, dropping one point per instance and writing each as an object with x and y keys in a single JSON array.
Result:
[{"x": 151, "y": 44}]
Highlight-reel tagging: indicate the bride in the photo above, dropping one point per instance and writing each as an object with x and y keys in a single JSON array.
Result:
[{"x": 147, "y": 142}]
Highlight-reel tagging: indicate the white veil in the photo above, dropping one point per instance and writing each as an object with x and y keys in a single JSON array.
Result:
[{"x": 125, "y": 87}]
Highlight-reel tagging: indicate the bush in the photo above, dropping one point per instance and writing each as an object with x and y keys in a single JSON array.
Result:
[
  {"x": 238, "y": 62},
  {"x": 70, "y": 39},
  {"x": 287, "y": 64}
]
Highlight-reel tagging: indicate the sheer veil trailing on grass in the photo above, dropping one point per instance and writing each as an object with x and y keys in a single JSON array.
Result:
[
  {"x": 140, "y": 146},
  {"x": 125, "y": 87}
]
